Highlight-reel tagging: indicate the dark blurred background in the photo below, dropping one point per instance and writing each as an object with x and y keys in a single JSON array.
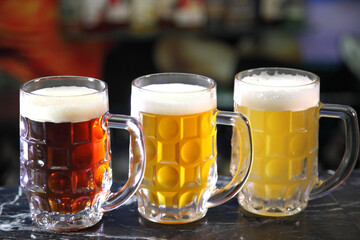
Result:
[{"x": 119, "y": 40}]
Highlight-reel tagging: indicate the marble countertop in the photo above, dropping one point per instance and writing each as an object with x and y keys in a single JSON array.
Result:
[{"x": 335, "y": 216}]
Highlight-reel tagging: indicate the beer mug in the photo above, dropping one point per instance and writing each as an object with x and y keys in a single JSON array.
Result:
[
  {"x": 179, "y": 116},
  {"x": 283, "y": 108},
  {"x": 65, "y": 161}
]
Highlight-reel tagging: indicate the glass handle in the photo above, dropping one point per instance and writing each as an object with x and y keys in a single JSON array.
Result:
[
  {"x": 136, "y": 162},
  {"x": 240, "y": 124},
  {"x": 349, "y": 117}
]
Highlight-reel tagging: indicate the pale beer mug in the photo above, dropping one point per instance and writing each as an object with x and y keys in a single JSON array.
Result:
[
  {"x": 179, "y": 116},
  {"x": 65, "y": 160},
  {"x": 283, "y": 108}
]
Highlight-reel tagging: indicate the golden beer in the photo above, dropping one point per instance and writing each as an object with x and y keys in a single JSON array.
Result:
[
  {"x": 179, "y": 117},
  {"x": 180, "y": 158},
  {"x": 283, "y": 112},
  {"x": 179, "y": 130}
]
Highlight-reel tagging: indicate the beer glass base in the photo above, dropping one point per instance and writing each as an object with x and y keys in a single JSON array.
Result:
[
  {"x": 170, "y": 216},
  {"x": 276, "y": 208},
  {"x": 66, "y": 222}
]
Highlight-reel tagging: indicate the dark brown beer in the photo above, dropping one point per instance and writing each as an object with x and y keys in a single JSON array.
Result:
[
  {"x": 64, "y": 161},
  {"x": 64, "y": 166}
]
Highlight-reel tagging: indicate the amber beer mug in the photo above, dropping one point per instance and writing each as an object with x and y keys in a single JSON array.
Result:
[
  {"x": 284, "y": 109},
  {"x": 65, "y": 169},
  {"x": 179, "y": 116}
]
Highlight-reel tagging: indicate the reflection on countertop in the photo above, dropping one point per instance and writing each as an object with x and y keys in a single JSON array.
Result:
[{"x": 336, "y": 216}]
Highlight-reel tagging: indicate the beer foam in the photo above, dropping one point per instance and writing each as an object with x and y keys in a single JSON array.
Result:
[
  {"x": 278, "y": 92},
  {"x": 63, "y": 104},
  {"x": 172, "y": 99}
]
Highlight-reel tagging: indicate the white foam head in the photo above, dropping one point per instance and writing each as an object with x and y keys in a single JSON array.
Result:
[
  {"x": 172, "y": 99},
  {"x": 63, "y": 104},
  {"x": 278, "y": 92}
]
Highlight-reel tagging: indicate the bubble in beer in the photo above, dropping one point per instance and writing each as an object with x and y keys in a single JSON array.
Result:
[{"x": 278, "y": 92}]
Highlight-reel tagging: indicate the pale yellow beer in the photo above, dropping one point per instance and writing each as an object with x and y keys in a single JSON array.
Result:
[
  {"x": 285, "y": 157},
  {"x": 282, "y": 110}
]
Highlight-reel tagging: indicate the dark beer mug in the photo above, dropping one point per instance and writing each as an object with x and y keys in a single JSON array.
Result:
[{"x": 65, "y": 160}]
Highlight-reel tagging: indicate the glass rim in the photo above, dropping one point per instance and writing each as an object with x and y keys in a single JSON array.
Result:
[
  {"x": 283, "y": 70},
  {"x": 136, "y": 82},
  {"x": 66, "y": 78}
]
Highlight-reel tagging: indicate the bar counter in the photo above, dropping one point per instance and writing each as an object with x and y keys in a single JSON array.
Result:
[{"x": 335, "y": 216}]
